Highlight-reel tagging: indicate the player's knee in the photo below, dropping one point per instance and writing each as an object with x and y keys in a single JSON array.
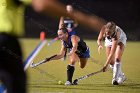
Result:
[
  {"x": 117, "y": 60},
  {"x": 112, "y": 62},
  {"x": 82, "y": 66},
  {"x": 72, "y": 62}
]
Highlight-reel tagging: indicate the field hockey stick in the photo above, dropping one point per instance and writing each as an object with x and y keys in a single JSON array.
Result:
[
  {"x": 86, "y": 76},
  {"x": 52, "y": 41},
  {"x": 41, "y": 62},
  {"x": 33, "y": 54}
]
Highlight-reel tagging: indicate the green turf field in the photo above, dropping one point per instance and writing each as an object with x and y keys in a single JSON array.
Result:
[{"x": 44, "y": 78}]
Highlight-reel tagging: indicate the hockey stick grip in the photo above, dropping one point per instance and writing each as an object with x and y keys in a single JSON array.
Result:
[{"x": 48, "y": 59}]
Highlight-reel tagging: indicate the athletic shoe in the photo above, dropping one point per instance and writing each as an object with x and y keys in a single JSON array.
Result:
[
  {"x": 121, "y": 79},
  {"x": 115, "y": 82},
  {"x": 68, "y": 83}
]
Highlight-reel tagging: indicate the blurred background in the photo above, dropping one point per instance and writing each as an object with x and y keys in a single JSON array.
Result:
[{"x": 125, "y": 13}]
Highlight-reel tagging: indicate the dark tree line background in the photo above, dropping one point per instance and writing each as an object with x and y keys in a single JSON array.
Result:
[{"x": 125, "y": 13}]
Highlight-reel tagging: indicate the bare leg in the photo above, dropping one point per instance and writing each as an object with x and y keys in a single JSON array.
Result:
[
  {"x": 83, "y": 62},
  {"x": 108, "y": 49},
  {"x": 118, "y": 72}
]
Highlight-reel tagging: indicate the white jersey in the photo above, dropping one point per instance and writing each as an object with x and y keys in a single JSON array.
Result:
[{"x": 122, "y": 38}]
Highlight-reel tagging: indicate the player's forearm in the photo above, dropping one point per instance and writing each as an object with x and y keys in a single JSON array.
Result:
[
  {"x": 108, "y": 60},
  {"x": 99, "y": 42},
  {"x": 100, "y": 37},
  {"x": 74, "y": 40}
]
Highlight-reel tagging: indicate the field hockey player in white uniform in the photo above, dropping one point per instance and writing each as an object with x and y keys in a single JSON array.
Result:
[{"x": 115, "y": 41}]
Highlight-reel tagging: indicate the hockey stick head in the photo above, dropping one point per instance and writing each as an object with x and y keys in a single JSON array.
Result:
[
  {"x": 75, "y": 82},
  {"x": 41, "y": 62},
  {"x": 86, "y": 76},
  {"x": 32, "y": 64}
]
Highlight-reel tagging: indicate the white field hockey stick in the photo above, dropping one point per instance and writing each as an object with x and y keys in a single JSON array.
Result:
[
  {"x": 41, "y": 62},
  {"x": 86, "y": 76}
]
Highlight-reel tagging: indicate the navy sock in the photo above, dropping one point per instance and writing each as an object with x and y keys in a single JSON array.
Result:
[{"x": 70, "y": 71}]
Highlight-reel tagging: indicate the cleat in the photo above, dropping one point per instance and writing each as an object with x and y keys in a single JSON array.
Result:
[
  {"x": 121, "y": 79},
  {"x": 115, "y": 82},
  {"x": 68, "y": 83}
]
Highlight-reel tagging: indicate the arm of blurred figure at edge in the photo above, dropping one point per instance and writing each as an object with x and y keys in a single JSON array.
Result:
[
  {"x": 61, "y": 22},
  {"x": 56, "y": 9}
]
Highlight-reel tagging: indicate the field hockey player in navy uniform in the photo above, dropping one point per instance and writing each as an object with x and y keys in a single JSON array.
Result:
[{"x": 77, "y": 51}]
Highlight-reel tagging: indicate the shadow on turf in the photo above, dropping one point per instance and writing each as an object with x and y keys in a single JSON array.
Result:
[
  {"x": 69, "y": 87},
  {"x": 125, "y": 85},
  {"x": 99, "y": 87}
]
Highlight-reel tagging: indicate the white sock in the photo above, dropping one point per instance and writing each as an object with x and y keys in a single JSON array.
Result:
[
  {"x": 119, "y": 68},
  {"x": 116, "y": 70}
]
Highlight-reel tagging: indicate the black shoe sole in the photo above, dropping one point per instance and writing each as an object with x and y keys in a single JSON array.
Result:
[{"x": 115, "y": 83}]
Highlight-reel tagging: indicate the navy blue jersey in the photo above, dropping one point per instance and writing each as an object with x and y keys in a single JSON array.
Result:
[
  {"x": 73, "y": 32},
  {"x": 82, "y": 48},
  {"x": 69, "y": 23}
]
